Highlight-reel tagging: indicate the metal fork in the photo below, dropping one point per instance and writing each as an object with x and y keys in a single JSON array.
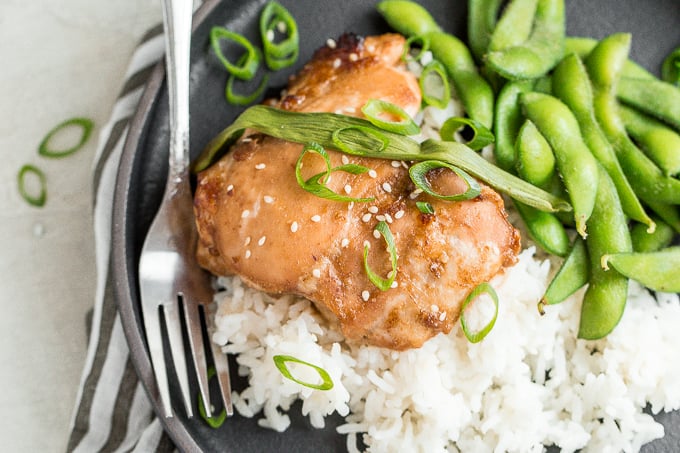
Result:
[{"x": 168, "y": 271}]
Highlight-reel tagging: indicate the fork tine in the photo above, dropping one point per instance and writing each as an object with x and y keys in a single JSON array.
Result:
[
  {"x": 174, "y": 327},
  {"x": 195, "y": 329},
  {"x": 154, "y": 339},
  {"x": 222, "y": 372}
]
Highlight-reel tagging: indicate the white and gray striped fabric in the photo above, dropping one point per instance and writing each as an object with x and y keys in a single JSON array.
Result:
[{"x": 113, "y": 412}]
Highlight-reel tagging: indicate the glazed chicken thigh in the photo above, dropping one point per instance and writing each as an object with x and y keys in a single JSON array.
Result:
[{"x": 255, "y": 221}]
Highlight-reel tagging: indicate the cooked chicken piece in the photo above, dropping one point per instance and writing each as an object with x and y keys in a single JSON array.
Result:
[{"x": 255, "y": 221}]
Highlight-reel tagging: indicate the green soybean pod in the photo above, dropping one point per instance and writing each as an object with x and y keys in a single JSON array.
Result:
[
  {"x": 538, "y": 54},
  {"x": 407, "y": 17},
  {"x": 575, "y": 162},
  {"x": 669, "y": 213},
  {"x": 515, "y": 25},
  {"x": 605, "y": 299},
  {"x": 643, "y": 241},
  {"x": 572, "y": 85},
  {"x": 481, "y": 21},
  {"x": 572, "y": 275},
  {"x": 545, "y": 229},
  {"x": 655, "y": 97},
  {"x": 583, "y": 46},
  {"x": 655, "y": 270},
  {"x": 508, "y": 119},
  {"x": 659, "y": 142},
  {"x": 535, "y": 158}
]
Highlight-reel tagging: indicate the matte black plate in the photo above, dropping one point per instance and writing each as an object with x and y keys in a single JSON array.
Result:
[{"x": 655, "y": 25}]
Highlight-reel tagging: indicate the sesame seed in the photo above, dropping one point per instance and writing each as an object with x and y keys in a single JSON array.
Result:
[
  {"x": 245, "y": 213},
  {"x": 380, "y": 218},
  {"x": 373, "y": 209},
  {"x": 247, "y": 241},
  {"x": 442, "y": 316},
  {"x": 331, "y": 43},
  {"x": 281, "y": 26},
  {"x": 366, "y": 217},
  {"x": 246, "y": 140},
  {"x": 261, "y": 241},
  {"x": 268, "y": 199},
  {"x": 248, "y": 254},
  {"x": 388, "y": 218},
  {"x": 372, "y": 173},
  {"x": 260, "y": 166},
  {"x": 294, "y": 227},
  {"x": 353, "y": 57},
  {"x": 230, "y": 188},
  {"x": 316, "y": 218},
  {"x": 415, "y": 194},
  {"x": 370, "y": 48},
  {"x": 396, "y": 163},
  {"x": 348, "y": 189},
  {"x": 336, "y": 63},
  {"x": 376, "y": 234},
  {"x": 365, "y": 295},
  {"x": 316, "y": 273},
  {"x": 367, "y": 244},
  {"x": 399, "y": 214},
  {"x": 394, "y": 284},
  {"x": 344, "y": 243},
  {"x": 434, "y": 308},
  {"x": 404, "y": 164},
  {"x": 270, "y": 35},
  {"x": 345, "y": 160},
  {"x": 387, "y": 187}
]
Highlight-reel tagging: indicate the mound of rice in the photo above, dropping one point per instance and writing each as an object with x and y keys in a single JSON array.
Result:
[{"x": 528, "y": 384}]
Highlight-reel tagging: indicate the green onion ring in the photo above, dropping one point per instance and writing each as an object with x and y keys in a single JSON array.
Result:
[
  {"x": 383, "y": 284},
  {"x": 357, "y": 142},
  {"x": 424, "y": 42},
  {"x": 476, "y": 337},
  {"x": 216, "y": 420},
  {"x": 284, "y": 53},
  {"x": 436, "y": 69},
  {"x": 418, "y": 173},
  {"x": 481, "y": 137},
  {"x": 374, "y": 108},
  {"x": 84, "y": 123},
  {"x": 247, "y": 64},
  {"x": 34, "y": 200},
  {"x": 670, "y": 68},
  {"x": 280, "y": 362},
  {"x": 424, "y": 207}
]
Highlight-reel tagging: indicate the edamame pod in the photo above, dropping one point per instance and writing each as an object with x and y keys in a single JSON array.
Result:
[
  {"x": 659, "y": 142},
  {"x": 605, "y": 298},
  {"x": 481, "y": 23},
  {"x": 545, "y": 229},
  {"x": 644, "y": 241},
  {"x": 535, "y": 158},
  {"x": 575, "y": 162},
  {"x": 541, "y": 52},
  {"x": 507, "y": 122},
  {"x": 407, "y": 17},
  {"x": 572, "y": 275},
  {"x": 574, "y": 88},
  {"x": 583, "y": 46},
  {"x": 669, "y": 213},
  {"x": 654, "y": 97},
  {"x": 655, "y": 270},
  {"x": 514, "y": 26}
]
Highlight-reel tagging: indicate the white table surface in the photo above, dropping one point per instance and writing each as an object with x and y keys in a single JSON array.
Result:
[{"x": 58, "y": 59}]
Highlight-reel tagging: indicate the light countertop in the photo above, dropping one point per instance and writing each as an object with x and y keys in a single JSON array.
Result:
[{"x": 60, "y": 59}]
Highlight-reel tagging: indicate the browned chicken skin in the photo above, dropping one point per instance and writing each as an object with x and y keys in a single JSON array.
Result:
[{"x": 255, "y": 221}]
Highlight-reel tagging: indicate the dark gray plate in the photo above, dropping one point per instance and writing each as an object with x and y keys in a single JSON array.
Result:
[{"x": 655, "y": 25}]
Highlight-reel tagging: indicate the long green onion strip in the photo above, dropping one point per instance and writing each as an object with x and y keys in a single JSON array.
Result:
[
  {"x": 375, "y": 111},
  {"x": 284, "y": 53},
  {"x": 434, "y": 85},
  {"x": 316, "y": 185},
  {"x": 45, "y": 148},
  {"x": 424, "y": 207},
  {"x": 419, "y": 171},
  {"x": 357, "y": 143},
  {"x": 323, "y": 127},
  {"x": 481, "y": 135},
  {"x": 244, "y": 99},
  {"x": 423, "y": 42},
  {"x": 383, "y": 284},
  {"x": 281, "y": 363},
  {"x": 247, "y": 64},
  {"x": 34, "y": 199},
  {"x": 216, "y": 420},
  {"x": 670, "y": 68},
  {"x": 482, "y": 288}
]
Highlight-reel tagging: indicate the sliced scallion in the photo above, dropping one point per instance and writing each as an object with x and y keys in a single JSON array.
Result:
[
  {"x": 281, "y": 363},
  {"x": 383, "y": 284},
  {"x": 424, "y": 207},
  {"x": 364, "y": 139},
  {"x": 246, "y": 65},
  {"x": 46, "y": 149},
  {"x": 482, "y": 288},
  {"x": 244, "y": 99},
  {"x": 419, "y": 171},
  {"x": 434, "y": 85},
  {"x": 316, "y": 185},
  {"x": 481, "y": 135},
  {"x": 216, "y": 420},
  {"x": 284, "y": 53},
  {"x": 376, "y": 110},
  {"x": 34, "y": 199},
  {"x": 424, "y": 45}
]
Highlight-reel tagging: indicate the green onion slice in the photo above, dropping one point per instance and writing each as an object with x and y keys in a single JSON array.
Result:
[
  {"x": 434, "y": 85},
  {"x": 39, "y": 199},
  {"x": 316, "y": 185},
  {"x": 424, "y": 45},
  {"x": 424, "y": 207},
  {"x": 216, "y": 420},
  {"x": 383, "y": 284},
  {"x": 85, "y": 124},
  {"x": 284, "y": 53},
  {"x": 481, "y": 135},
  {"x": 363, "y": 139},
  {"x": 418, "y": 173},
  {"x": 244, "y": 99},
  {"x": 482, "y": 288},
  {"x": 281, "y": 360},
  {"x": 375, "y": 111},
  {"x": 247, "y": 64},
  {"x": 670, "y": 68}
]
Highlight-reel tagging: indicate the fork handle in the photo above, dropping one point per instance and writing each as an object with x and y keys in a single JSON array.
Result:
[{"x": 177, "y": 24}]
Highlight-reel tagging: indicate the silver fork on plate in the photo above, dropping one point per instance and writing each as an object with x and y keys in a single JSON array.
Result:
[{"x": 169, "y": 274}]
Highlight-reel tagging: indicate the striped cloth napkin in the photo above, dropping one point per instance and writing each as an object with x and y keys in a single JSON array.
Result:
[{"x": 113, "y": 412}]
